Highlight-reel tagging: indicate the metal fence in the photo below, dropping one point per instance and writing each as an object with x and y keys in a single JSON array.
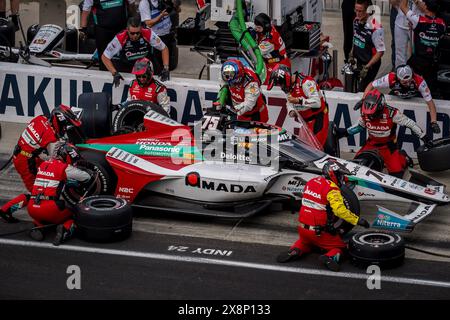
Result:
[{"x": 335, "y": 5}]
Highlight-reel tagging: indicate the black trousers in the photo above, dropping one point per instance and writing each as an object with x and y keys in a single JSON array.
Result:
[
  {"x": 156, "y": 56},
  {"x": 428, "y": 69},
  {"x": 348, "y": 15}
]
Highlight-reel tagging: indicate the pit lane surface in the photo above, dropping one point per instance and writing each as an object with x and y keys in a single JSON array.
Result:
[{"x": 185, "y": 257}]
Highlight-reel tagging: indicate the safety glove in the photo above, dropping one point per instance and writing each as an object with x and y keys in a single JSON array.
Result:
[
  {"x": 435, "y": 127},
  {"x": 363, "y": 223},
  {"x": 117, "y": 77}
]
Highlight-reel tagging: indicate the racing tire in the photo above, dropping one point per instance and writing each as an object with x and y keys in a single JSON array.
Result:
[
  {"x": 370, "y": 159},
  {"x": 331, "y": 146},
  {"x": 103, "y": 219},
  {"x": 130, "y": 118},
  {"x": 435, "y": 158},
  {"x": 96, "y": 115},
  {"x": 352, "y": 203},
  {"x": 104, "y": 184},
  {"x": 387, "y": 250}
]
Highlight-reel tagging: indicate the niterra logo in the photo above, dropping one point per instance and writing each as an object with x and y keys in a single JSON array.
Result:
[{"x": 193, "y": 180}]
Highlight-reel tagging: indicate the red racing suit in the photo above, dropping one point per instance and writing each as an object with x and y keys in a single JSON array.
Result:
[
  {"x": 155, "y": 92},
  {"x": 383, "y": 139},
  {"x": 45, "y": 206},
  {"x": 273, "y": 50},
  {"x": 417, "y": 85},
  {"x": 312, "y": 106},
  {"x": 39, "y": 136},
  {"x": 247, "y": 98},
  {"x": 313, "y": 217}
]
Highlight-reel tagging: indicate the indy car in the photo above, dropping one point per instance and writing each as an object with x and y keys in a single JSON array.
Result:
[{"x": 172, "y": 167}]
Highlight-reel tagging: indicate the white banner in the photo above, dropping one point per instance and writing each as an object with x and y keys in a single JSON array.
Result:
[{"x": 27, "y": 91}]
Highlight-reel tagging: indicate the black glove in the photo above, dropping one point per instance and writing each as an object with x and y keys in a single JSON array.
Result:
[
  {"x": 341, "y": 133},
  {"x": 435, "y": 127},
  {"x": 82, "y": 33},
  {"x": 165, "y": 74},
  {"x": 358, "y": 105},
  {"x": 117, "y": 77},
  {"x": 427, "y": 141},
  {"x": 363, "y": 72},
  {"x": 363, "y": 223}
]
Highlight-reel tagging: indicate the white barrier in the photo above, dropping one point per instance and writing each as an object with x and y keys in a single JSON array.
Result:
[{"x": 27, "y": 91}]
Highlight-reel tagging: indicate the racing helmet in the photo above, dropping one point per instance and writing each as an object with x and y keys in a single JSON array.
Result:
[
  {"x": 280, "y": 76},
  {"x": 335, "y": 172},
  {"x": 432, "y": 5},
  {"x": 62, "y": 118},
  {"x": 232, "y": 71},
  {"x": 67, "y": 152},
  {"x": 404, "y": 72},
  {"x": 143, "y": 70},
  {"x": 264, "y": 21},
  {"x": 373, "y": 104}
]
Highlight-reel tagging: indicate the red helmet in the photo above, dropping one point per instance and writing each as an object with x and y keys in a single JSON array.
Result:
[
  {"x": 67, "y": 152},
  {"x": 232, "y": 71},
  {"x": 62, "y": 117},
  {"x": 143, "y": 70},
  {"x": 280, "y": 76},
  {"x": 373, "y": 103}
]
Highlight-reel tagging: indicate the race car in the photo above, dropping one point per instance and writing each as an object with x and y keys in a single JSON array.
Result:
[{"x": 233, "y": 169}]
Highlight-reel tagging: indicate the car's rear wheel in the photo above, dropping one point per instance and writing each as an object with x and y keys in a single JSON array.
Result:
[
  {"x": 370, "y": 159},
  {"x": 331, "y": 146},
  {"x": 435, "y": 158},
  {"x": 103, "y": 219},
  {"x": 96, "y": 115},
  {"x": 352, "y": 203}
]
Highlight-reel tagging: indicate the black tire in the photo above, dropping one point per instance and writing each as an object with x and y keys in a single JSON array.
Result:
[
  {"x": 370, "y": 159},
  {"x": 384, "y": 249},
  {"x": 106, "y": 181},
  {"x": 96, "y": 116},
  {"x": 435, "y": 158},
  {"x": 352, "y": 203},
  {"x": 130, "y": 118},
  {"x": 331, "y": 146},
  {"x": 103, "y": 219}
]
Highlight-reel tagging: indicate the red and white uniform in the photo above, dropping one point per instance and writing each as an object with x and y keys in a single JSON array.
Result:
[
  {"x": 318, "y": 193},
  {"x": 156, "y": 92},
  {"x": 382, "y": 137},
  {"x": 44, "y": 205},
  {"x": 312, "y": 106},
  {"x": 133, "y": 50},
  {"x": 273, "y": 50},
  {"x": 38, "y": 136},
  {"x": 247, "y": 98},
  {"x": 418, "y": 84}
]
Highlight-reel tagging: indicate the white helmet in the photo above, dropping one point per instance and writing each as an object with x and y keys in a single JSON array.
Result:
[{"x": 404, "y": 72}]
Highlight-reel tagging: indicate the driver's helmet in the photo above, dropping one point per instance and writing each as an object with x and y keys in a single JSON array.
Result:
[
  {"x": 62, "y": 118},
  {"x": 143, "y": 70},
  {"x": 67, "y": 152},
  {"x": 264, "y": 21},
  {"x": 373, "y": 104},
  {"x": 280, "y": 76},
  {"x": 335, "y": 172},
  {"x": 232, "y": 71},
  {"x": 404, "y": 73}
]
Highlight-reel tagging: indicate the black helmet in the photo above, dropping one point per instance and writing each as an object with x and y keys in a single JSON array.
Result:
[
  {"x": 62, "y": 117},
  {"x": 67, "y": 152},
  {"x": 334, "y": 171},
  {"x": 432, "y": 5},
  {"x": 280, "y": 76},
  {"x": 263, "y": 20}
]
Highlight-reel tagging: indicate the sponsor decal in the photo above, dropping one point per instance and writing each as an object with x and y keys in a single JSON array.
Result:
[
  {"x": 234, "y": 157},
  {"x": 362, "y": 194},
  {"x": 126, "y": 190},
  {"x": 157, "y": 117},
  {"x": 46, "y": 173},
  {"x": 312, "y": 194},
  {"x": 429, "y": 191},
  {"x": 296, "y": 182},
  {"x": 193, "y": 180}
]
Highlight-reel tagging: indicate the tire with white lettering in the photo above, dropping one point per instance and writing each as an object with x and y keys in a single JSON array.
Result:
[
  {"x": 103, "y": 219},
  {"x": 387, "y": 250},
  {"x": 370, "y": 159},
  {"x": 104, "y": 181},
  {"x": 96, "y": 115},
  {"x": 435, "y": 158},
  {"x": 331, "y": 146},
  {"x": 130, "y": 118},
  {"x": 352, "y": 203}
]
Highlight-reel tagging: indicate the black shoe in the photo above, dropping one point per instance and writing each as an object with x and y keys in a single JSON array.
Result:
[
  {"x": 8, "y": 217},
  {"x": 62, "y": 235},
  {"x": 330, "y": 262},
  {"x": 36, "y": 234},
  {"x": 290, "y": 255}
]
